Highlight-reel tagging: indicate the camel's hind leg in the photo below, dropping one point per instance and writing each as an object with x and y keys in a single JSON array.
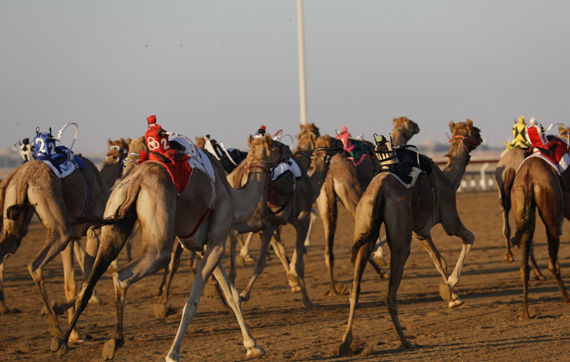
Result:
[
  {"x": 297, "y": 265},
  {"x": 345, "y": 348},
  {"x": 328, "y": 210},
  {"x": 160, "y": 309},
  {"x": 553, "y": 234}
]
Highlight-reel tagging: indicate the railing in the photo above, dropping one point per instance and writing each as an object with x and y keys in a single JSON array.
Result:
[{"x": 479, "y": 175}]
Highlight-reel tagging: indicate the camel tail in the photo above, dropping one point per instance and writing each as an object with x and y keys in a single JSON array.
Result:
[
  {"x": 527, "y": 221},
  {"x": 505, "y": 191},
  {"x": 21, "y": 205},
  {"x": 122, "y": 211},
  {"x": 370, "y": 235}
]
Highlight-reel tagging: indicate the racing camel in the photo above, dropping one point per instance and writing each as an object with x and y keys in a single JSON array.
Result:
[
  {"x": 34, "y": 188},
  {"x": 112, "y": 168},
  {"x": 538, "y": 185},
  {"x": 290, "y": 202},
  {"x": 405, "y": 211},
  {"x": 342, "y": 184},
  {"x": 204, "y": 213},
  {"x": 505, "y": 172}
]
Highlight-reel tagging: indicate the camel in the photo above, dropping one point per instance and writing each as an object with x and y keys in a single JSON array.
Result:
[
  {"x": 342, "y": 184},
  {"x": 34, "y": 188},
  {"x": 204, "y": 213},
  {"x": 415, "y": 210},
  {"x": 290, "y": 202},
  {"x": 505, "y": 172},
  {"x": 112, "y": 168},
  {"x": 537, "y": 185}
]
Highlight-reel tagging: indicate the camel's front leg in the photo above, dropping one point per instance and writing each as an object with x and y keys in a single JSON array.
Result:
[
  {"x": 233, "y": 300},
  {"x": 267, "y": 234},
  {"x": 160, "y": 309},
  {"x": 212, "y": 257},
  {"x": 297, "y": 265}
]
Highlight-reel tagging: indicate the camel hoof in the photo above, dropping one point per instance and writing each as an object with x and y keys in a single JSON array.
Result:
[
  {"x": 56, "y": 343},
  {"x": 95, "y": 300},
  {"x": 296, "y": 289},
  {"x": 385, "y": 276},
  {"x": 160, "y": 310},
  {"x": 345, "y": 350},
  {"x": 209, "y": 290},
  {"x": 455, "y": 303},
  {"x": 445, "y": 292},
  {"x": 255, "y": 352},
  {"x": 380, "y": 260},
  {"x": 240, "y": 260},
  {"x": 6, "y": 310},
  {"x": 109, "y": 349},
  {"x": 311, "y": 305},
  {"x": 63, "y": 350},
  {"x": 409, "y": 346}
]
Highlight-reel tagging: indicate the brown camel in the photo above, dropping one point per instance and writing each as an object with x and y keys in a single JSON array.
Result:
[
  {"x": 112, "y": 168},
  {"x": 505, "y": 172},
  {"x": 204, "y": 212},
  {"x": 406, "y": 211},
  {"x": 290, "y": 201},
  {"x": 34, "y": 188},
  {"x": 342, "y": 184},
  {"x": 537, "y": 185}
]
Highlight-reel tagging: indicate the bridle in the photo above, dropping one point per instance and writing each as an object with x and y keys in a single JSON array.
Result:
[{"x": 464, "y": 139}]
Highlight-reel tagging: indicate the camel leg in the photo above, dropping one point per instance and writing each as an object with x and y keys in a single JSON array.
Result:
[
  {"x": 7, "y": 248},
  {"x": 345, "y": 349},
  {"x": 212, "y": 257},
  {"x": 108, "y": 250},
  {"x": 279, "y": 249},
  {"x": 56, "y": 241},
  {"x": 160, "y": 309},
  {"x": 297, "y": 265},
  {"x": 553, "y": 266},
  {"x": 307, "y": 243},
  {"x": 328, "y": 210},
  {"x": 378, "y": 252},
  {"x": 3, "y": 308},
  {"x": 468, "y": 239},
  {"x": 70, "y": 287},
  {"x": 525, "y": 243},
  {"x": 154, "y": 257},
  {"x": 400, "y": 250},
  {"x": 266, "y": 236},
  {"x": 234, "y": 238},
  {"x": 244, "y": 255},
  {"x": 233, "y": 300}
]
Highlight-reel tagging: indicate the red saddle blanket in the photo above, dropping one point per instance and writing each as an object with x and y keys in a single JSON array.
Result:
[{"x": 179, "y": 169}]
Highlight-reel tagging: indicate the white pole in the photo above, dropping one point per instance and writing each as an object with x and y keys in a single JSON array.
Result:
[{"x": 302, "y": 88}]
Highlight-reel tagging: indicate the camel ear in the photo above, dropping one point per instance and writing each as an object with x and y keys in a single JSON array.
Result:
[
  {"x": 129, "y": 140},
  {"x": 109, "y": 140},
  {"x": 469, "y": 124},
  {"x": 394, "y": 121},
  {"x": 249, "y": 141},
  {"x": 560, "y": 129},
  {"x": 451, "y": 125},
  {"x": 269, "y": 140}
]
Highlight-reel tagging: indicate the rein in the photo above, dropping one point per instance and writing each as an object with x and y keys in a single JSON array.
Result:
[{"x": 463, "y": 139}]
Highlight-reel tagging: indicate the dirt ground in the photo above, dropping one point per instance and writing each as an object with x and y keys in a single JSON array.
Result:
[{"x": 486, "y": 328}]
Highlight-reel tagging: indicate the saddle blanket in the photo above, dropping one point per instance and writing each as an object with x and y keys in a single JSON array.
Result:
[
  {"x": 65, "y": 168},
  {"x": 559, "y": 169}
]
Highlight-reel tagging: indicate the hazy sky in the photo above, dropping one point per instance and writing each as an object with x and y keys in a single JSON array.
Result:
[{"x": 225, "y": 67}]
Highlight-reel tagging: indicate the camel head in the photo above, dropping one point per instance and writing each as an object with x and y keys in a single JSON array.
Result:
[
  {"x": 404, "y": 129},
  {"x": 200, "y": 141},
  {"x": 325, "y": 147},
  {"x": 305, "y": 141},
  {"x": 564, "y": 132},
  {"x": 135, "y": 146},
  {"x": 468, "y": 136},
  {"x": 117, "y": 151},
  {"x": 267, "y": 152},
  {"x": 309, "y": 128}
]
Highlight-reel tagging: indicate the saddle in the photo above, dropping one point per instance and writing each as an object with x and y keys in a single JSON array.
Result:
[
  {"x": 405, "y": 163},
  {"x": 59, "y": 158},
  {"x": 229, "y": 158}
]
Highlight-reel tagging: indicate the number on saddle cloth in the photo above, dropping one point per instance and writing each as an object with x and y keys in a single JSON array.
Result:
[{"x": 45, "y": 149}]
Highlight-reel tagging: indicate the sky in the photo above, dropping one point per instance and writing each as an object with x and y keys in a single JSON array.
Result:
[{"x": 225, "y": 67}]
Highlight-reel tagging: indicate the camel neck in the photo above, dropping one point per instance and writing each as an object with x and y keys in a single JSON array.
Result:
[
  {"x": 246, "y": 198},
  {"x": 456, "y": 165}
]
